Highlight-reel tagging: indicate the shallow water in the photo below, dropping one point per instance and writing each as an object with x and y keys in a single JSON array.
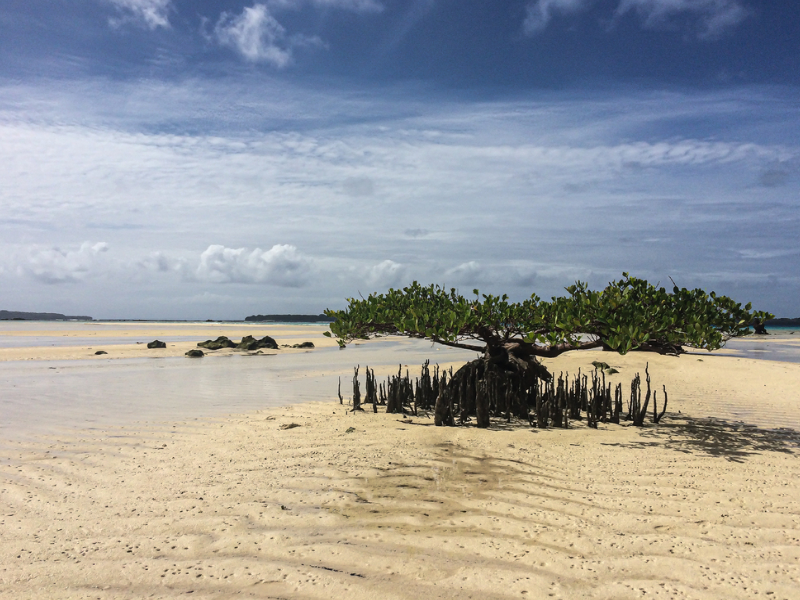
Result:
[
  {"x": 782, "y": 346},
  {"x": 43, "y": 397},
  {"x": 91, "y": 343}
]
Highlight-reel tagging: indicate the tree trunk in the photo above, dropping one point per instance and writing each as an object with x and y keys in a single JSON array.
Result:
[{"x": 499, "y": 373}]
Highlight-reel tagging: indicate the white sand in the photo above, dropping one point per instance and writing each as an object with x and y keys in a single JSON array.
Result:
[{"x": 397, "y": 508}]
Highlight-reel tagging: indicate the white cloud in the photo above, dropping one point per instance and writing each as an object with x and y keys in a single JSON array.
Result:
[
  {"x": 150, "y": 13},
  {"x": 54, "y": 265},
  {"x": 713, "y": 17},
  {"x": 488, "y": 187},
  {"x": 468, "y": 273},
  {"x": 281, "y": 265},
  {"x": 716, "y": 17},
  {"x": 539, "y": 13},
  {"x": 386, "y": 274},
  {"x": 259, "y": 37},
  {"x": 256, "y": 35}
]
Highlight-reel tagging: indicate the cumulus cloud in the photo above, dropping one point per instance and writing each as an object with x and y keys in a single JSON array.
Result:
[
  {"x": 54, "y": 265},
  {"x": 468, "y": 273},
  {"x": 150, "y": 13},
  {"x": 386, "y": 274},
  {"x": 281, "y": 265},
  {"x": 713, "y": 18}
]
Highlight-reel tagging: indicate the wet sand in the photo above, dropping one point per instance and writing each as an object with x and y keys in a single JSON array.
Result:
[
  {"x": 344, "y": 505},
  {"x": 40, "y": 340}
]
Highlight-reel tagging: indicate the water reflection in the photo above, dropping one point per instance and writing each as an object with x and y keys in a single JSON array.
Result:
[{"x": 46, "y": 396}]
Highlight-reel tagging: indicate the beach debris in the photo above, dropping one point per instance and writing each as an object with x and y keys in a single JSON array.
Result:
[
  {"x": 284, "y": 507},
  {"x": 350, "y": 430},
  {"x": 217, "y": 344},
  {"x": 289, "y": 426},
  {"x": 481, "y": 390},
  {"x": 250, "y": 343},
  {"x": 341, "y": 400},
  {"x": 195, "y": 353},
  {"x": 156, "y": 344},
  {"x": 100, "y": 352}
]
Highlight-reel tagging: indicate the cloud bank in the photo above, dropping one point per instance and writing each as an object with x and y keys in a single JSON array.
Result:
[
  {"x": 54, "y": 265},
  {"x": 502, "y": 195},
  {"x": 282, "y": 265}
]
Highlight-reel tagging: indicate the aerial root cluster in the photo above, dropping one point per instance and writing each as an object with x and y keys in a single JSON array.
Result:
[{"x": 481, "y": 390}]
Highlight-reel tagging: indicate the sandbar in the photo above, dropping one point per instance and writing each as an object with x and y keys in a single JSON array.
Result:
[{"x": 312, "y": 500}]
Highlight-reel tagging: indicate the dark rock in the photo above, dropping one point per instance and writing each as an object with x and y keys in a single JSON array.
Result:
[
  {"x": 250, "y": 343},
  {"x": 304, "y": 345},
  {"x": 195, "y": 353},
  {"x": 101, "y": 352},
  {"x": 157, "y": 344},
  {"x": 218, "y": 344}
]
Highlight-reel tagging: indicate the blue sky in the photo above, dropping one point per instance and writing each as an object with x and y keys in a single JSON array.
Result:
[{"x": 176, "y": 159}]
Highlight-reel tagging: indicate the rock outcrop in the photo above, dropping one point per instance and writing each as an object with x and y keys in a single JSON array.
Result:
[
  {"x": 217, "y": 344},
  {"x": 157, "y": 344},
  {"x": 250, "y": 343}
]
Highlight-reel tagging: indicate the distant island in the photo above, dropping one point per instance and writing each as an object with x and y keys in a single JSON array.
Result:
[
  {"x": 291, "y": 318},
  {"x": 14, "y": 315},
  {"x": 783, "y": 322}
]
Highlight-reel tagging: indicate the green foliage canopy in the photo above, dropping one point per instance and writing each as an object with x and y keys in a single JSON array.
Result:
[{"x": 629, "y": 314}]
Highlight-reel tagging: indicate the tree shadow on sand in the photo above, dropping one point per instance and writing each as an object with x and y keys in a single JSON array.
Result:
[{"x": 732, "y": 440}]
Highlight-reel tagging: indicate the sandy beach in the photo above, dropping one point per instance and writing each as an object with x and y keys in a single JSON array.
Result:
[{"x": 310, "y": 500}]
